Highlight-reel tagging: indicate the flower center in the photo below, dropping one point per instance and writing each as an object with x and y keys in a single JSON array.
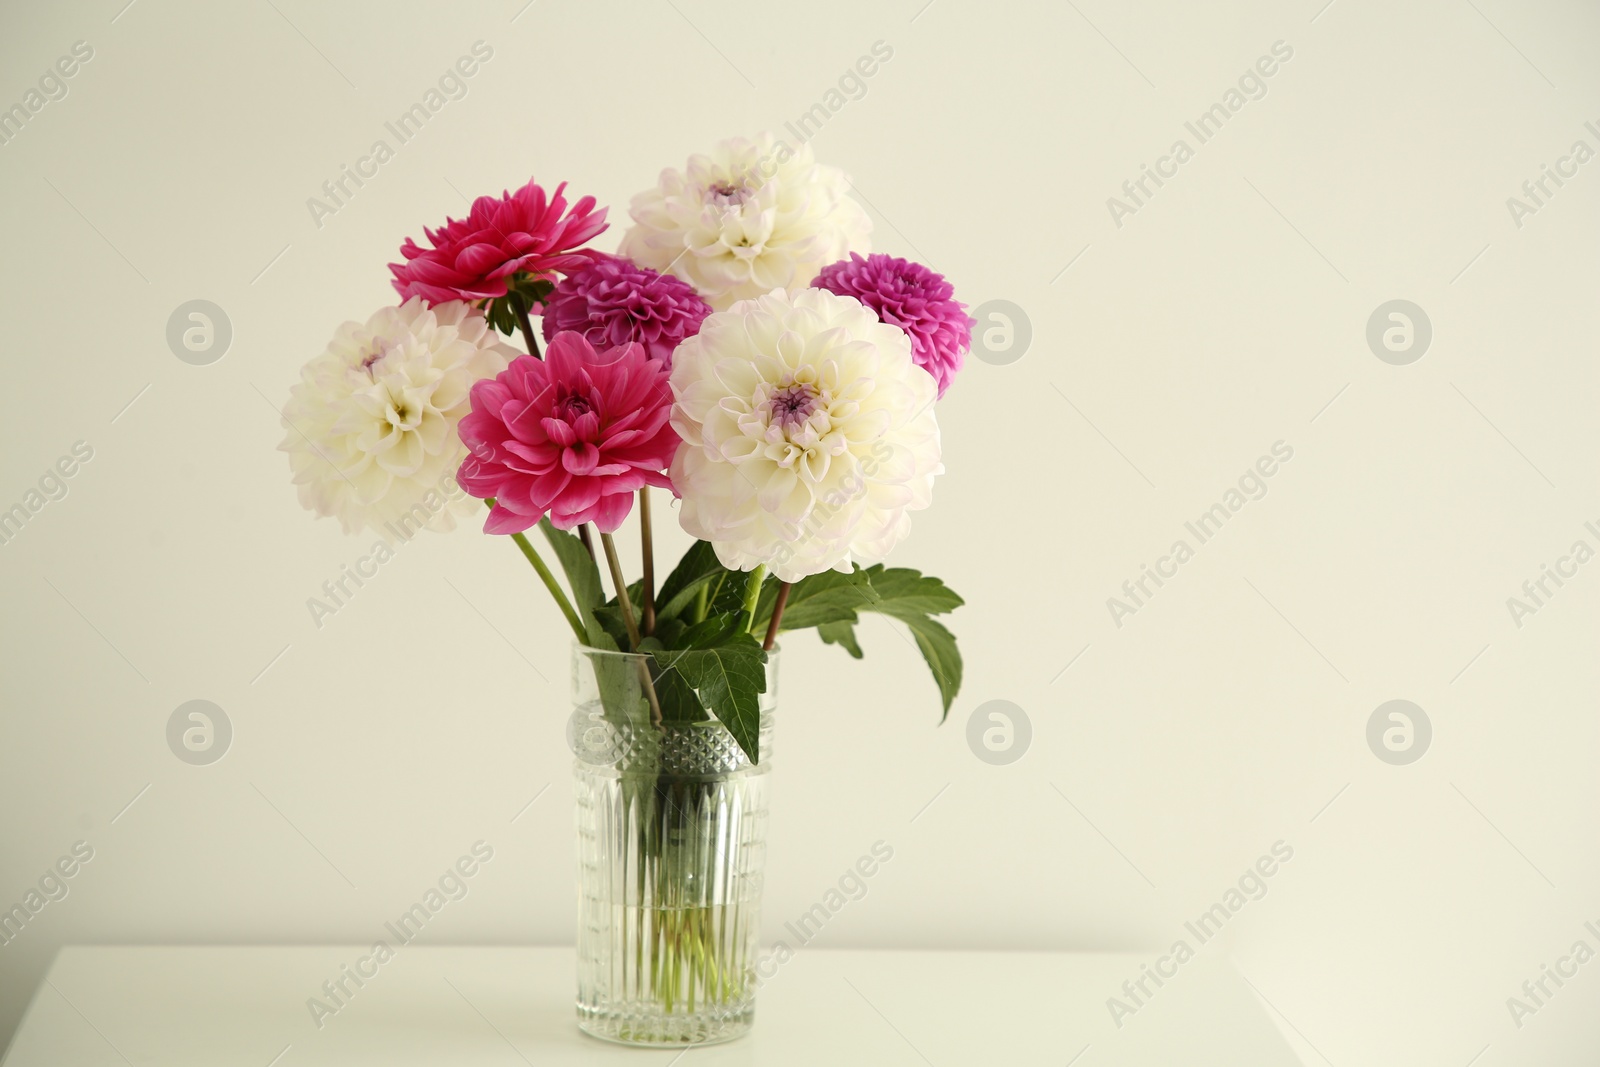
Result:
[
  {"x": 726, "y": 194},
  {"x": 380, "y": 348},
  {"x": 574, "y": 406},
  {"x": 792, "y": 405},
  {"x": 402, "y": 416}
]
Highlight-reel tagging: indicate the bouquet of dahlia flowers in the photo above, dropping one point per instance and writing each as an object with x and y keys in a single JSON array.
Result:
[{"x": 739, "y": 352}]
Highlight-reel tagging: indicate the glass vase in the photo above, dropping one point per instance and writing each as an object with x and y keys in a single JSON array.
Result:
[{"x": 672, "y": 821}]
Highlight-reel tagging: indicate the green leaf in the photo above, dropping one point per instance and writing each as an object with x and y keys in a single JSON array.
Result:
[
  {"x": 500, "y": 310},
  {"x": 714, "y": 630},
  {"x": 582, "y": 574},
  {"x": 610, "y": 613},
  {"x": 728, "y": 593},
  {"x": 829, "y": 596},
  {"x": 678, "y": 702},
  {"x": 698, "y": 567},
  {"x": 670, "y": 632},
  {"x": 842, "y": 633},
  {"x": 913, "y": 591},
  {"x": 938, "y": 647},
  {"x": 729, "y": 681},
  {"x": 832, "y": 602},
  {"x": 617, "y": 679},
  {"x": 584, "y": 579}
]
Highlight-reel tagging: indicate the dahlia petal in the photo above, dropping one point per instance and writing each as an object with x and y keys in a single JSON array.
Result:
[
  {"x": 433, "y": 431},
  {"x": 582, "y": 458},
  {"x": 559, "y": 431},
  {"x": 502, "y": 520},
  {"x": 578, "y": 493},
  {"x": 580, "y": 427},
  {"x": 816, "y": 461},
  {"x": 401, "y": 454},
  {"x": 525, "y": 458},
  {"x": 479, "y": 258},
  {"x": 470, "y": 258},
  {"x": 479, "y": 481},
  {"x": 610, "y": 511},
  {"x": 749, "y": 225},
  {"x": 368, "y": 437}
]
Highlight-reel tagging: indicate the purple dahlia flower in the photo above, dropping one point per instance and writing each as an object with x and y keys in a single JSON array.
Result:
[
  {"x": 914, "y": 298},
  {"x": 612, "y": 301}
]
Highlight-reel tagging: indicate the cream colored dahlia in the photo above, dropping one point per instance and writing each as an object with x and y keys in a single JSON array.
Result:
[
  {"x": 751, "y": 217},
  {"x": 808, "y": 434},
  {"x": 371, "y": 425}
]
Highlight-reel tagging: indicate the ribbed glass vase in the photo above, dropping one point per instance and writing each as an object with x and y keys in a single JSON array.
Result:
[{"x": 671, "y": 821}]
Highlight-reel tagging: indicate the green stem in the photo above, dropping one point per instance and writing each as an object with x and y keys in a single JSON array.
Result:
[
  {"x": 647, "y": 624},
  {"x": 624, "y": 601},
  {"x": 519, "y": 307},
  {"x": 555, "y": 589},
  {"x": 550, "y": 583},
  {"x": 777, "y": 617},
  {"x": 752, "y": 595}
]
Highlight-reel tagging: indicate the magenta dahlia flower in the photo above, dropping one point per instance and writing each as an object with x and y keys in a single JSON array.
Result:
[
  {"x": 613, "y": 301},
  {"x": 914, "y": 298},
  {"x": 570, "y": 436},
  {"x": 525, "y": 232}
]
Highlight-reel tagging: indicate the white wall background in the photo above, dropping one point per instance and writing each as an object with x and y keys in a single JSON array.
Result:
[{"x": 1227, "y": 314}]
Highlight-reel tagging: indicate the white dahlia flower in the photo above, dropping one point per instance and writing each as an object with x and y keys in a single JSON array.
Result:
[
  {"x": 808, "y": 434},
  {"x": 751, "y": 217},
  {"x": 372, "y": 422}
]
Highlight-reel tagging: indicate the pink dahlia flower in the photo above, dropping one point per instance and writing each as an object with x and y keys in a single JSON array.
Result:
[
  {"x": 613, "y": 301},
  {"x": 914, "y": 298},
  {"x": 570, "y": 436},
  {"x": 520, "y": 232}
]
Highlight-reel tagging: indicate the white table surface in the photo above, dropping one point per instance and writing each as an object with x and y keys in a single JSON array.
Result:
[{"x": 220, "y": 1006}]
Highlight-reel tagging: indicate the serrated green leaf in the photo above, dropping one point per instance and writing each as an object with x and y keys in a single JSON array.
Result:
[
  {"x": 618, "y": 681},
  {"x": 670, "y": 632},
  {"x": 832, "y": 602},
  {"x": 610, "y": 613},
  {"x": 912, "y": 591},
  {"x": 712, "y": 631},
  {"x": 500, "y": 311},
  {"x": 678, "y": 702},
  {"x": 728, "y": 594},
  {"x": 830, "y": 596},
  {"x": 729, "y": 681},
  {"x": 842, "y": 633},
  {"x": 698, "y": 568},
  {"x": 938, "y": 648},
  {"x": 583, "y": 577}
]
